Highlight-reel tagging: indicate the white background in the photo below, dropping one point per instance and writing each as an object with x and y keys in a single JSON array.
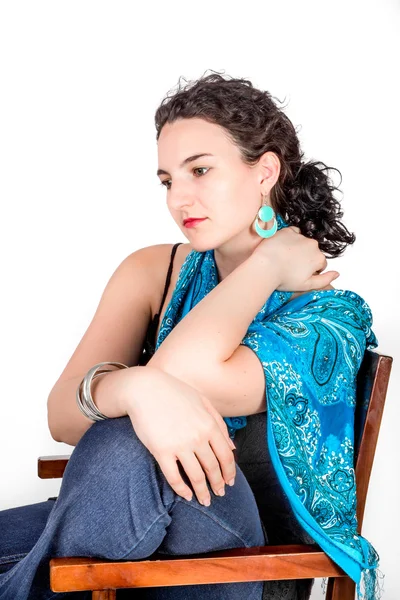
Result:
[{"x": 80, "y": 82}]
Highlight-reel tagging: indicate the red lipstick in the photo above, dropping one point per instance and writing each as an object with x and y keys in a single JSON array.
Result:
[{"x": 192, "y": 222}]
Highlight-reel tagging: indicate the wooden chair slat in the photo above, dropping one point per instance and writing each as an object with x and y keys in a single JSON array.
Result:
[
  {"x": 52, "y": 467},
  {"x": 375, "y": 374},
  {"x": 104, "y": 595},
  {"x": 342, "y": 588},
  {"x": 238, "y": 565}
]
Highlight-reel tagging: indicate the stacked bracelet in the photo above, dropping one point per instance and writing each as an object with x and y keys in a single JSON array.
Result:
[{"x": 83, "y": 395}]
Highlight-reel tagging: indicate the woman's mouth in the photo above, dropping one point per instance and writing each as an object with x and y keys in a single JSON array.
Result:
[{"x": 193, "y": 222}]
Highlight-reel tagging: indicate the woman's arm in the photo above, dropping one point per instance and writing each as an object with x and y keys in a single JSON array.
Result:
[
  {"x": 204, "y": 351},
  {"x": 214, "y": 328},
  {"x": 204, "y": 348}
]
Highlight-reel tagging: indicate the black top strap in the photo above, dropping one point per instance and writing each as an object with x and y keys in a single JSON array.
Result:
[
  {"x": 167, "y": 282},
  {"x": 150, "y": 339}
]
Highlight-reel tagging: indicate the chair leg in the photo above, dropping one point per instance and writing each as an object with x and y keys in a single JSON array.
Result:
[
  {"x": 104, "y": 595},
  {"x": 340, "y": 588}
]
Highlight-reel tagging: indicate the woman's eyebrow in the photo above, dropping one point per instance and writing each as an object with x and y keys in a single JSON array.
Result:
[{"x": 185, "y": 162}]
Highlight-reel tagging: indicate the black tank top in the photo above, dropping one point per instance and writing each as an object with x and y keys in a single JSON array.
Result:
[{"x": 150, "y": 340}]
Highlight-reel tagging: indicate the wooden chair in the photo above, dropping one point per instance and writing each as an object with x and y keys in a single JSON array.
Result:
[{"x": 103, "y": 577}]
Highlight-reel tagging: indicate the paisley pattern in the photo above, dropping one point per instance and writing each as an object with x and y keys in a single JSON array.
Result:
[{"x": 310, "y": 349}]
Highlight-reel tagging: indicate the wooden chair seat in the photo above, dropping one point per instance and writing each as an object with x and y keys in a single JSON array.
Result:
[{"x": 263, "y": 563}]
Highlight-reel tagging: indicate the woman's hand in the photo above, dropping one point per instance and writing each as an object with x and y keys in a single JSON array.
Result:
[
  {"x": 295, "y": 260},
  {"x": 175, "y": 422}
]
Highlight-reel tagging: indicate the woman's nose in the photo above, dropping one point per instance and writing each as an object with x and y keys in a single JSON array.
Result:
[{"x": 181, "y": 200}]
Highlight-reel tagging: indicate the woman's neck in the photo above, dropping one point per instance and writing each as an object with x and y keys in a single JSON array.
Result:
[{"x": 233, "y": 253}]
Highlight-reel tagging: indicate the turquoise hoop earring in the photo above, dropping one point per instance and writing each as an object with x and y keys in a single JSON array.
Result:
[{"x": 266, "y": 213}]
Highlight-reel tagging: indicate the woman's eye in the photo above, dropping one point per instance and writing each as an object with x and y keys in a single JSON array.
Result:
[
  {"x": 166, "y": 182},
  {"x": 200, "y": 168}
]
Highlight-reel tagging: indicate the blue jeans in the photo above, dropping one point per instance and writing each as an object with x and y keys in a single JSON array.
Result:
[{"x": 116, "y": 503}]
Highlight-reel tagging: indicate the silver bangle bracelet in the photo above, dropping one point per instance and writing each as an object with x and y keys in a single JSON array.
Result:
[
  {"x": 86, "y": 405},
  {"x": 83, "y": 394}
]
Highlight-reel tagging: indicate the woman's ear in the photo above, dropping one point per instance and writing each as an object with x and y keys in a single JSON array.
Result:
[{"x": 269, "y": 170}]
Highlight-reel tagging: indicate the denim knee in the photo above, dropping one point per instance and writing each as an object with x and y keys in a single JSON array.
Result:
[
  {"x": 110, "y": 504},
  {"x": 111, "y": 443}
]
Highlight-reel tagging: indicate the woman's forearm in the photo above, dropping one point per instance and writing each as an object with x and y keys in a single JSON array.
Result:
[
  {"x": 112, "y": 392},
  {"x": 215, "y": 327}
]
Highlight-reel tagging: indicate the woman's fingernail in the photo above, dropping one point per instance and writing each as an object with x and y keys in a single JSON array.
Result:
[
  {"x": 231, "y": 482},
  {"x": 232, "y": 444}
]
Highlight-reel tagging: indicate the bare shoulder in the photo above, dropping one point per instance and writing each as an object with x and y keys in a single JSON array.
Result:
[
  {"x": 156, "y": 259},
  {"x": 157, "y": 251}
]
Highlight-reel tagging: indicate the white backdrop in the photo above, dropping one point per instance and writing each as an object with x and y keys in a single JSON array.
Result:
[{"x": 80, "y": 82}]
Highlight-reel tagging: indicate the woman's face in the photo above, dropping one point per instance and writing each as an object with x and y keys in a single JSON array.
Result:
[{"x": 219, "y": 187}]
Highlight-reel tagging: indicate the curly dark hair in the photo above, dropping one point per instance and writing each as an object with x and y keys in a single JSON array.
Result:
[{"x": 303, "y": 193}]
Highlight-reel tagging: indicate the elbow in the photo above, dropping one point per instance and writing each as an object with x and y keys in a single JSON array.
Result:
[
  {"x": 54, "y": 435},
  {"x": 63, "y": 437},
  {"x": 51, "y": 424},
  {"x": 65, "y": 422},
  {"x": 182, "y": 367}
]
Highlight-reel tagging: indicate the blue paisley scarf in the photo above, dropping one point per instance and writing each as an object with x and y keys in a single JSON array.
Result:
[{"x": 311, "y": 349}]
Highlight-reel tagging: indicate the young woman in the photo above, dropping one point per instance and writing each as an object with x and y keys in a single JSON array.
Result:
[{"x": 241, "y": 337}]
